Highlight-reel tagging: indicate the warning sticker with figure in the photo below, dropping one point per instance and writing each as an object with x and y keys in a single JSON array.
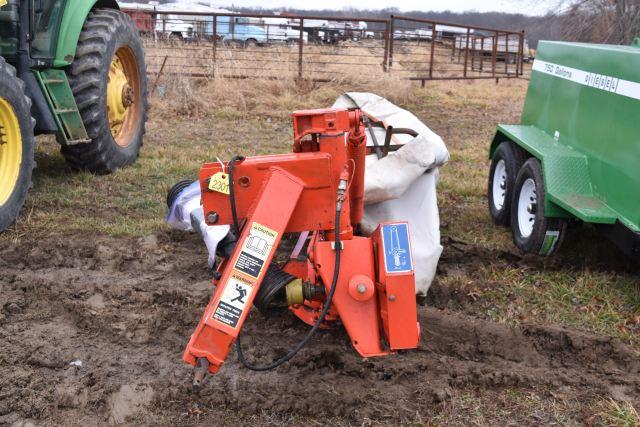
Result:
[
  {"x": 232, "y": 302},
  {"x": 255, "y": 250}
]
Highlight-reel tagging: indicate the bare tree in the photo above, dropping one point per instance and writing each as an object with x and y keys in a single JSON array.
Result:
[{"x": 601, "y": 21}]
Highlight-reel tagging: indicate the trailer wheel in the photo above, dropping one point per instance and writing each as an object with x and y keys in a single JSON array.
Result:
[
  {"x": 505, "y": 164},
  {"x": 532, "y": 231}
]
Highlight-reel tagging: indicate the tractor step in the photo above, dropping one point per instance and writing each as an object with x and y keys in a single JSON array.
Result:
[{"x": 57, "y": 91}]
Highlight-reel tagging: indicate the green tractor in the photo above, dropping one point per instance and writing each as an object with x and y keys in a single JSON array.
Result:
[{"x": 73, "y": 68}]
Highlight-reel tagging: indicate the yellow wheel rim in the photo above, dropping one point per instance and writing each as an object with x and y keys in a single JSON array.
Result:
[
  {"x": 123, "y": 90},
  {"x": 10, "y": 150}
]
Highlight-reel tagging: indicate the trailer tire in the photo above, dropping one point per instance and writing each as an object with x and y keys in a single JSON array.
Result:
[
  {"x": 113, "y": 110},
  {"x": 17, "y": 145},
  {"x": 532, "y": 231},
  {"x": 507, "y": 160}
]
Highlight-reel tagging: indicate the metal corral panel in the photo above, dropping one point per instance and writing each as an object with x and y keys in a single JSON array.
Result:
[{"x": 582, "y": 120}]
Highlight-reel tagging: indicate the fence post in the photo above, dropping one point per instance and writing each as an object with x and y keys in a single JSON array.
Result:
[
  {"x": 300, "y": 47},
  {"x": 482, "y": 50},
  {"x": 385, "y": 35},
  {"x": 521, "y": 61},
  {"x": 466, "y": 52},
  {"x": 453, "y": 49},
  {"x": 493, "y": 54},
  {"x": 433, "y": 48},
  {"x": 215, "y": 42},
  {"x": 506, "y": 54},
  {"x": 473, "y": 53},
  {"x": 390, "y": 36}
]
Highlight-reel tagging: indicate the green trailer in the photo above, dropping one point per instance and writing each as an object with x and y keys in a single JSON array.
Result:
[{"x": 576, "y": 153}]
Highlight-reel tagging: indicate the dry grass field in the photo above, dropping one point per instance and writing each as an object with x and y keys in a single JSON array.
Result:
[{"x": 91, "y": 272}]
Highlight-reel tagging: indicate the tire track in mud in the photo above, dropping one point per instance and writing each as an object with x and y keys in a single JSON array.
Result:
[{"x": 93, "y": 330}]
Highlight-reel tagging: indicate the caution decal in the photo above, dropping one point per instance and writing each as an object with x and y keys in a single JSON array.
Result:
[{"x": 255, "y": 250}]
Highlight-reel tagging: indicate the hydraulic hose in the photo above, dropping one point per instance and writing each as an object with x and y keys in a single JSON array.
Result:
[
  {"x": 232, "y": 196},
  {"x": 327, "y": 305},
  {"x": 316, "y": 325}
]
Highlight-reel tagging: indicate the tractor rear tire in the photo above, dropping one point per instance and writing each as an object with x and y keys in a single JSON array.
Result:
[
  {"x": 17, "y": 145},
  {"x": 109, "y": 82}
]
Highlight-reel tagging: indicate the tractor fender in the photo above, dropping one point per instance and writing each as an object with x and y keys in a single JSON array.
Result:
[{"x": 75, "y": 15}]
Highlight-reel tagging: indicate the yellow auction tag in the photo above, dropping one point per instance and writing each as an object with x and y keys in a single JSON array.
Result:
[
  {"x": 218, "y": 182},
  {"x": 3, "y": 2}
]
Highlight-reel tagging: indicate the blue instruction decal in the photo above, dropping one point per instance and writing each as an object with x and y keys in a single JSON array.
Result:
[{"x": 397, "y": 250}]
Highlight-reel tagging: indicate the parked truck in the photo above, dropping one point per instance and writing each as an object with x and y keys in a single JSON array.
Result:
[
  {"x": 237, "y": 30},
  {"x": 575, "y": 154},
  {"x": 280, "y": 30},
  {"x": 172, "y": 28}
]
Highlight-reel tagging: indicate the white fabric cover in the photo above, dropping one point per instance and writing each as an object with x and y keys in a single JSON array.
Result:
[
  {"x": 402, "y": 185},
  {"x": 186, "y": 214}
]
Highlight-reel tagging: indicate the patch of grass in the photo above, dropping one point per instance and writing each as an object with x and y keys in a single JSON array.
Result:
[
  {"x": 506, "y": 407},
  {"x": 618, "y": 414},
  {"x": 602, "y": 302}
]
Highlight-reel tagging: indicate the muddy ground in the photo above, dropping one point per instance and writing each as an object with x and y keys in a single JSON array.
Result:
[{"x": 92, "y": 332}]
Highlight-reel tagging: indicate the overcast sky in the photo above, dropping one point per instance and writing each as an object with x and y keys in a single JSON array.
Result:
[{"x": 529, "y": 7}]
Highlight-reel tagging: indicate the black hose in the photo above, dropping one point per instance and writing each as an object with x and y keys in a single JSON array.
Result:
[
  {"x": 232, "y": 196},
  {"x": 316, "y": 325}
]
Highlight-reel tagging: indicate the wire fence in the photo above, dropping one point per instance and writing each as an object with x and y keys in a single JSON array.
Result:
[{"x": 209, "y": 45}]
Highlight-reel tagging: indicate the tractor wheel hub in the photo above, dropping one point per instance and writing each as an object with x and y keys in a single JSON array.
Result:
[
  {"x": 127, "y": 96},
  {"x": 121, "y": 95}
]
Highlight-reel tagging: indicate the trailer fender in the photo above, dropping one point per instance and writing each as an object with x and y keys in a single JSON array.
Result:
[{"x": 502, "y": 136}]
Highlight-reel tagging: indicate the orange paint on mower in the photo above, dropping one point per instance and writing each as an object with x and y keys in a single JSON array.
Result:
[{"x": 374, "y": 295}]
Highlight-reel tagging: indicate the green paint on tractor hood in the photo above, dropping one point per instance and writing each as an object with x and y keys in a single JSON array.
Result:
[{"x": 75, "y": 14}]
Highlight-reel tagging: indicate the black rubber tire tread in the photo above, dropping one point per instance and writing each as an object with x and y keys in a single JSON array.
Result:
[
  {"x": 514, "y": 157},
  {"x": 12, "y": 89},
  {"x": 533, "y": 244},
  {"x": 175, "y": 191},
  {"x": 103, "y": 33}
]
